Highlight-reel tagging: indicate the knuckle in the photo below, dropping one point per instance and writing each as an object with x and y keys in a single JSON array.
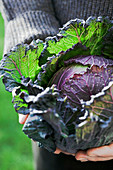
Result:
[{"x": 90, "y": 152}]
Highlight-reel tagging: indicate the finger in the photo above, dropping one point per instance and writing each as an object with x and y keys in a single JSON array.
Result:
[
  {"x": 83, "y": 157},
  {"x": 97, "y": 158},
  {"x": 22, "y": 118},
  {"x": 57, "y": 151},
  {"x": 103, "y": 151},
  {"x": 80, "y": 154}
]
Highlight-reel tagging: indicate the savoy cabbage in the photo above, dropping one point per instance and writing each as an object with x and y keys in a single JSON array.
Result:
[{"x": 65, "y": 84}]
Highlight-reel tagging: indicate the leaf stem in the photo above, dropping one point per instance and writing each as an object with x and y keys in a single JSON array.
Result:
[
  {"x": 96, "y": 107},
  {"x": 76, "y": 33},
  {"x": 99, "y": 114},
  {"x": 16, "y": 67}
]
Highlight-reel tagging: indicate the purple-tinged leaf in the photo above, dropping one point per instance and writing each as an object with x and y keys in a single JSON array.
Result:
[
  {"x": 91, "y": 60},
  {"x": 78, "y": 86}
]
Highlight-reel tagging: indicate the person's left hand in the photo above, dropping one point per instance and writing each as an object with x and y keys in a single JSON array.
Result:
[{"x": 103, "y": 153}]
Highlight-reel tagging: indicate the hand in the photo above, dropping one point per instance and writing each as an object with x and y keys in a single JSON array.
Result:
[
  {"x": 59, "y": 151},
  {"x": 23, "y": 118},
  {"x": 102, "y": 153}
]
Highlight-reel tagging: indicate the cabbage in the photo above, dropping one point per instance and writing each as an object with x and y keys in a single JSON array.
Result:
[{"x": 66, "y": 85}]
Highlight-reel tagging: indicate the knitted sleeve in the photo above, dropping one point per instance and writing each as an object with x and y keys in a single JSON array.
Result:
[{"x": 26, "y": 20}]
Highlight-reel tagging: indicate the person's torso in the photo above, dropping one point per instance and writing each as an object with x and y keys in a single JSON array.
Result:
[{"x": 71, "y": 9}]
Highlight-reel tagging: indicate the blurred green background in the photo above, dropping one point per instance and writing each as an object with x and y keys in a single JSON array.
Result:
[{"x": 15, "y": 146}]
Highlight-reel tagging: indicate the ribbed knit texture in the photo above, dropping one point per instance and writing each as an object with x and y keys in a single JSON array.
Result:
[
  {"x": 28, "y": 26},
  {"x": 26, "y": 20},
  {"x": 29, "y": 19},
  {"x": 71, "y": 9}
]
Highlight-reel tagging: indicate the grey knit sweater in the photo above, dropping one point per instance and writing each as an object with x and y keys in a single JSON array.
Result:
[{"x": 26, "y": 20}]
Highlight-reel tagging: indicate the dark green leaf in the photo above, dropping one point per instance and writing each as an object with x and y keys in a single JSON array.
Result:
[{"x": 39, "y": 130}]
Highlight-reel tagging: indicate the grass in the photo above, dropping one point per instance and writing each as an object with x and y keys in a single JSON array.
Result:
[{"x": 15, "y": 146}]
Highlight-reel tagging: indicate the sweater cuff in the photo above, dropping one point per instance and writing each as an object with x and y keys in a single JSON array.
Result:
[{"x": 28, "y": 26}]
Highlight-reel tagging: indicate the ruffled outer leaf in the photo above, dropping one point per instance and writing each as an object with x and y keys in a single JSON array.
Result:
[
  {"x": 92, "y": 60},
  {"x": 66, "y": 127},
  {"x": 20, "y": 63},
  {"x": 19, "y": 102},
  {"x": 95, "y": 34}
]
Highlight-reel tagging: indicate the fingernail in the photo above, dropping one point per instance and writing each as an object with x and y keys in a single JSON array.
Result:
[{"x": 83, "y": 160}]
